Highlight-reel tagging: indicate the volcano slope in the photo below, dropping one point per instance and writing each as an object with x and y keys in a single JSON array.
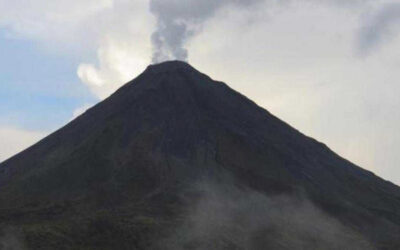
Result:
[{"x": 176, "y": 160}]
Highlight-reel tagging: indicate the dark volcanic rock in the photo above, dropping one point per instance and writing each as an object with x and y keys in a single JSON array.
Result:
[{"x": 124, "y": 173}]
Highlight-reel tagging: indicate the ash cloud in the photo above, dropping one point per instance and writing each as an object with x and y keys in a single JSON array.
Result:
[
  {"x": 379, "y": 28},
  {"x": 227, "y": 217},
  {"x": 178, "y": 21}
]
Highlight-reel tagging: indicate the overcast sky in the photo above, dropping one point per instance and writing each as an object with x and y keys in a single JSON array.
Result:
[{"x": 330, "y": 68}]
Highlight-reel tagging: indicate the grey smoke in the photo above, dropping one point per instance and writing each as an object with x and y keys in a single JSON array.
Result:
[
  {"x": 379, "y": 28},
  {"x": 179, "y": 20},
  {"x": 227, "y": 217}
]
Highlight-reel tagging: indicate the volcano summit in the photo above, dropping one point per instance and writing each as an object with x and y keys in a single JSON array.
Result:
[{"x": 176, "y": 160}]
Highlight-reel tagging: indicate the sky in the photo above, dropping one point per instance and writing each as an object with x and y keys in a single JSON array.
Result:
[{"x": 327, "y": 67}]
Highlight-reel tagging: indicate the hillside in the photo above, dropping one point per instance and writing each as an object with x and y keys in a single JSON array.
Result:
[{"x": 176, "y": 160}]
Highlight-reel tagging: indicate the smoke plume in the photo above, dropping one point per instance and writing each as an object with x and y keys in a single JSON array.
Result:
[{"x": 178, "y": 20}]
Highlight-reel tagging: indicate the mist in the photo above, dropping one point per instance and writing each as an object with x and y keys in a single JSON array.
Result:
[
  {"x": 226, "y": 217},
  {"x": 11, "y": 239}
]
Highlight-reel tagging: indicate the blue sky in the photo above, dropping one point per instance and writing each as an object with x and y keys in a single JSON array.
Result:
[
  {"x": 329, "y": 68},
  {"x": 38, "y": 90}
]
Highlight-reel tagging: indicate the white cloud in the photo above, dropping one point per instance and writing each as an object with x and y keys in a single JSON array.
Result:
[
  {"x": 15, "y": 140},
  {"x": 117, "y": 30},
  {"x": 119, "y": 62},
  {"x": 124, "y": 48}
]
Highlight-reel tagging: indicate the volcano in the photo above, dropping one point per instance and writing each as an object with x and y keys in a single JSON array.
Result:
[{"x": 176, "y": 160}]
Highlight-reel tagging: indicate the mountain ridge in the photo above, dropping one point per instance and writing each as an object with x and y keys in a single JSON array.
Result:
[{"x": 173, "y": 126}]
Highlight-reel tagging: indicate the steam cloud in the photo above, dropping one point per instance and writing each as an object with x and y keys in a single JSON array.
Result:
[
  {"x": 178, "y": 20},
  {"x": 226, "y": 217}
]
